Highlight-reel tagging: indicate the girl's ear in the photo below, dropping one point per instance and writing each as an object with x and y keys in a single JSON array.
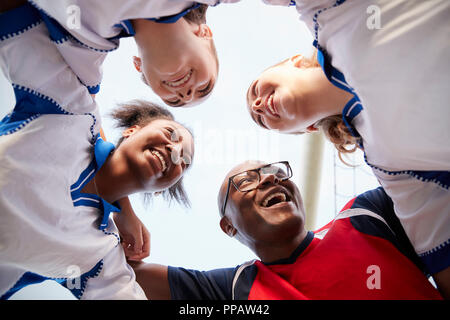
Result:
[
  {"x": 203, "y": 31},
  {"x": 130, "y": 131},
  {"x": 297, "y": 61},
  {"x": 227, "y": 227},
  {"x": 137, "y": 63}
]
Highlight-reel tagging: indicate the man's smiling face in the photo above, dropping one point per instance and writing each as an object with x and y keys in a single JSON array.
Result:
[{"x": 270, "y": 212}]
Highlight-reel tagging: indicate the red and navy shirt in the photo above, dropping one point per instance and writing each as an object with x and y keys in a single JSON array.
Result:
[{"x": 362, "y": 254}]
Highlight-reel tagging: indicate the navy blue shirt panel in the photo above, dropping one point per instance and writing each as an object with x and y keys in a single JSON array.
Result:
[{"x": 187, "y": 284}]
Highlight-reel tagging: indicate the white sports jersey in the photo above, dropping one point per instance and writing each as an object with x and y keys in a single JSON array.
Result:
[
  {"x": 86, "y": 30},
  {"x": 49, "y": 229},
  {"x": 394, "y": 55}
]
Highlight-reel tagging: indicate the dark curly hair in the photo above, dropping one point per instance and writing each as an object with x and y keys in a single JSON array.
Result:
[{"x": 140, "y": 112}]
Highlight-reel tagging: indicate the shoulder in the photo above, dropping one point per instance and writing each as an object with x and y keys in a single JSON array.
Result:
[{"x": 372, "y": 213}]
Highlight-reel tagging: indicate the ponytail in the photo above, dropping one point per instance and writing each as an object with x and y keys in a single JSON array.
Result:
[{"x": 337, "y": 132}]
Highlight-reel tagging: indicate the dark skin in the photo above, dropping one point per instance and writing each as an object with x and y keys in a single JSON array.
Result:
[{"x": 271, "y": 233}]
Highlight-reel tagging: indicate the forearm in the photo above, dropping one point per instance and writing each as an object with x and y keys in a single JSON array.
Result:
[
  {"x": 126, "y": 207},
  {"x": 153, "y": 279}
]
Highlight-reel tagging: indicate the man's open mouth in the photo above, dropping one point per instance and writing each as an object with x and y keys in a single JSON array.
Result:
[{"x": 275, "y": 198}]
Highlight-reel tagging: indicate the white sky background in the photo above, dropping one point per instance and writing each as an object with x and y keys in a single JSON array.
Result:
[{"x": 249, "y": 37}]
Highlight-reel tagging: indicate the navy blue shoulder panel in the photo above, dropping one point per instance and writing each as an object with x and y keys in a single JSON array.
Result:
[
  {"x": 377, "y": 201},
  {"x": 245, "y": 282},
  {"x": 187, "y": 284}
]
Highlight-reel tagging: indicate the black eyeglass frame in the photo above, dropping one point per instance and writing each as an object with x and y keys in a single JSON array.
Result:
[{"x": 258, "y": 171}]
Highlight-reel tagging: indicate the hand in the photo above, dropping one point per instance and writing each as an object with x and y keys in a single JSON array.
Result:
[
  {"x": 136, "y": 242},
  {"x": 135, "y": 237}
]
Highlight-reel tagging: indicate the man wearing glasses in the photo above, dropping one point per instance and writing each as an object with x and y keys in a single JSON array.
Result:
[{"x": 362, "y": 254}]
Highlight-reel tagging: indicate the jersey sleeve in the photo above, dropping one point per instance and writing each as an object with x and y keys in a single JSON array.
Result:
[
  {"x": 380, "y": 220},
  {"x": 188, "y": 284}
]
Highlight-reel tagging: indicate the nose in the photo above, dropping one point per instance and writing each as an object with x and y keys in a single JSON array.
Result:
[
  {"x": 257, "y": 105},
  {"x": 186, "y": 95},
  {"x": 267, "y": 180}
]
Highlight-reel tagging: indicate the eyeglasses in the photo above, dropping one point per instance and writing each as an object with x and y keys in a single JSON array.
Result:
[{"x": 249, "y": 180}]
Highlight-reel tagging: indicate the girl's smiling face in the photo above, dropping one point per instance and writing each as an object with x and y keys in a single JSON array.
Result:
[
  {"x": 156, "y": 155},
  {"x": 182, "y": 66},
  {"x": 279, "y": 98}
]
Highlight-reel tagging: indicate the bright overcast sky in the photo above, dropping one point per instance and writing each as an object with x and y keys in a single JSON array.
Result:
[{"x": 249, "y": 37}]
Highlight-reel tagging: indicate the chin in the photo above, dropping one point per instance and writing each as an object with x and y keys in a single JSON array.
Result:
[{"x": 287, "y": 222}]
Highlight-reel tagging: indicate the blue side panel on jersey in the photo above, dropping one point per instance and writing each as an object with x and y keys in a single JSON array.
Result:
[
  {"x": 441, "y": 178},
  {"x": 18, "y": 20},
  {"x": 30, "y": 102},
  {"x": 30, "y": 278},
  {"x": 27, "y": 279},
  {"x": 29, "y": 105}
]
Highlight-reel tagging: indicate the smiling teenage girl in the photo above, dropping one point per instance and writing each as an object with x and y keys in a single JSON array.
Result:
[
  {"x": 56, "y": 200},
  {"x": 295, "y": 96}
]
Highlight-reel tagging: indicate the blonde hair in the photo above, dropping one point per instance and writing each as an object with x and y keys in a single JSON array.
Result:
[{"x": 337, "y": 132}]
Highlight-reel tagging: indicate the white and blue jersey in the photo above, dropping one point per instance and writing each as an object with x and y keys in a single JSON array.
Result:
[
  {"x": 85, "y": 31},
  {"x": 395, "y": 58},
  {"x": 49, "y": 150}
]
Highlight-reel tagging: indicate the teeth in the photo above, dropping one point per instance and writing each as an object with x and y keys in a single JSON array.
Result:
[
  {"x": 270, "y": 197},
  {"x": 161, "y": 159},
  {"x": 179, "y": 82}
]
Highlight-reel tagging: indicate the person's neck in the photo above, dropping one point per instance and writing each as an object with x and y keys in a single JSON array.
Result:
[
  {"x": 324, "y": 98},
  {"x": 111, "y": 183},
  {"x": 280, "y": 250}
]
